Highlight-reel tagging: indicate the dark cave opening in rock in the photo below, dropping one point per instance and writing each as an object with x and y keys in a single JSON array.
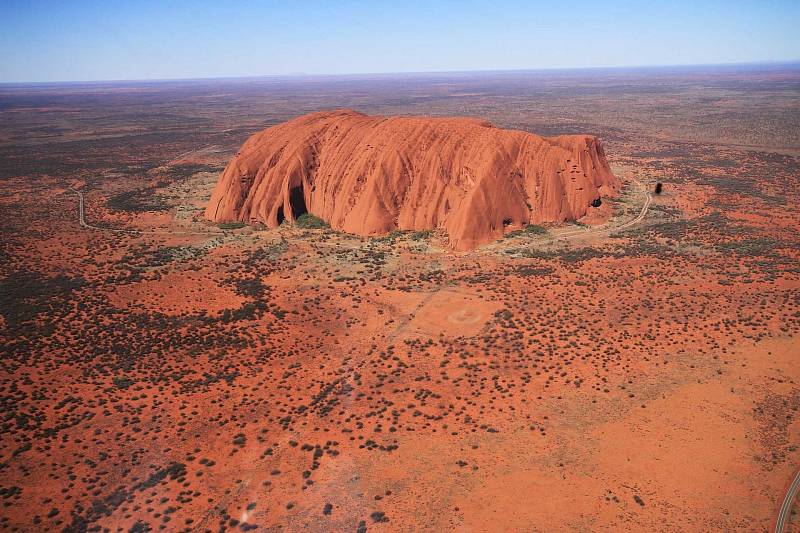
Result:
[{"x": 297, "y": 202}]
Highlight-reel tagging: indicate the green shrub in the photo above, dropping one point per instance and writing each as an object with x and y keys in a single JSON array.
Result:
[
  {"x": 231, "y": 225},
  {"x": 530, "y": 229},
  {"x": 421, "y": 235},
  {"x": 309, "y": 221}
]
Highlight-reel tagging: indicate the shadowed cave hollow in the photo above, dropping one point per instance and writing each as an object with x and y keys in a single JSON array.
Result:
[{"x": 297, "y": 202}]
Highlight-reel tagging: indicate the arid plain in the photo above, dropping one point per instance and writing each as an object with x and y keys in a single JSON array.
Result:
[{"x": 636, "y": 370}]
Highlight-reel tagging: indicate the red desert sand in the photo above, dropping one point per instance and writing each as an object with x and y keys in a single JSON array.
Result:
[{"x": 370, "y": 175}]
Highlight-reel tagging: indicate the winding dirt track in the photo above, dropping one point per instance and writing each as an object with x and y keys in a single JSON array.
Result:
[
  {"x": 559, "y": 236},
  {"x": 84, "y": 224},
  {"x": 647, "y": 201},
  {"x": 788, "y": 501},
  {"x": 600, "y": 230}
]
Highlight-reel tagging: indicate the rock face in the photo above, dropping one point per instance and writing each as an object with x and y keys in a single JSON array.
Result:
[{"x": 370, "y": 175}]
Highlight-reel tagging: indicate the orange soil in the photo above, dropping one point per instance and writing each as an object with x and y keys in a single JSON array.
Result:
[{"x": 191, "y": 383}]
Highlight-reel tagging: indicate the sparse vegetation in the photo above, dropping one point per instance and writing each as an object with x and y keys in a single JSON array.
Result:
[
  {"x": 138, "y": 201},
  {"x": 231, "y": 225},
  {"x": 530, "y": 229},
  {"x": 309, "y": 221}
]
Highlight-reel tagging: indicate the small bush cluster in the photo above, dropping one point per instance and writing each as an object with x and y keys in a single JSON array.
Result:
[{"x": 309, "y": 221}]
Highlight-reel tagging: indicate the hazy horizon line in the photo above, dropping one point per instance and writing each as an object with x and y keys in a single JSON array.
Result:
[{"x": 297, "y": 75}]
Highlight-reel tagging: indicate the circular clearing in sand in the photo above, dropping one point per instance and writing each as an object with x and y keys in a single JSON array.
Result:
[
  {"x": 454, "y": 313},
  {"x": 465, "y": 316}
]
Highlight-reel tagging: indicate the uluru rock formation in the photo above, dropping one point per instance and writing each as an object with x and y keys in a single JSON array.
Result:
[{"x": 369, "y": 175}]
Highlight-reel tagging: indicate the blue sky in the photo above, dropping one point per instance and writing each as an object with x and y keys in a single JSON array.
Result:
[{"x": 143, "y": 39}]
